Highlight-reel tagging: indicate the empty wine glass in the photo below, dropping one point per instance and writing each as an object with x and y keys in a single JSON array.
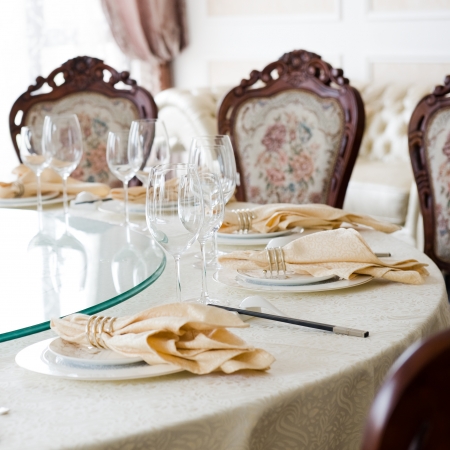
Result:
[
  {"x": 35, "y": 156},
  {"x": 148, "y": 146},
  {"x": 119, "y": 163},
  {"x": 174, "y": 209},
  {"x": 63, "y": 140},
  {"x": 214, "y": 210},
  {"x": 215, "y": 154}
]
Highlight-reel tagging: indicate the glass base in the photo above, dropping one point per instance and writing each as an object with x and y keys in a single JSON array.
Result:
[
  {"x": 212, "y": 301},
  {"x": 210, "y": 265}
]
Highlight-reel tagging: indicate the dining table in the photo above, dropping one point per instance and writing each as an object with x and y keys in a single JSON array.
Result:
[{"x": 316, "y": 395}]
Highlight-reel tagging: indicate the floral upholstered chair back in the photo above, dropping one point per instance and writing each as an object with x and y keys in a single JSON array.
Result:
[
  {"x": 297, "y": 137},
  {"x": 429, "y": 149},
  {"x": 99, "y": 105}
]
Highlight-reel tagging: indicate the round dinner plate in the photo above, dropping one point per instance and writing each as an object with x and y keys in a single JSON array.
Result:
[
  {"x": 292, "y": 278},
  {"x": 236, "y": 239},
  {"x": 28, "y": 201},
  {"x": 232, "y": 278},
  {"x": 80, "y": 354},
  {"x": 38, "y": 358}
]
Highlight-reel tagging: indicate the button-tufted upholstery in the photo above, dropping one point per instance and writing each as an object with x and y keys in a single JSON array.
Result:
[{"x": 382, "y": 182}]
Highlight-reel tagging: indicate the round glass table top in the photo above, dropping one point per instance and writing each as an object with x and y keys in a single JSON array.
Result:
[{"x": 50, "y": 269}]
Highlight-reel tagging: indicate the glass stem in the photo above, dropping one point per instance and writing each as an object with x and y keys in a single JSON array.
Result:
[
  {"x": 39, "y": 192},
  {"x": 125, "y": 190},
  {"x": 178, "y": 286},
  {"x": 204, "y": 297},
  {"x": 66, "y": 206}
]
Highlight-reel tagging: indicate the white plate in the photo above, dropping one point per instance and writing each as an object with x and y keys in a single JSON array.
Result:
[
  {"x": 292, "y": 279},
  {"x": 251, "y": 239},
  {"x": 231, "y": 278},
  {"x": 27, "y": 201},
  {"x": 88, "y": 355},
  {"x": 38, "y": 358}
]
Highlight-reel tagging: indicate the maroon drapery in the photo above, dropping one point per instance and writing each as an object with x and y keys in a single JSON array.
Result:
[{"x": 153, "y": 31}]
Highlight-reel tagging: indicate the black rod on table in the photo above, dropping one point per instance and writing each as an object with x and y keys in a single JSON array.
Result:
[{"x": 304, "y": 323}]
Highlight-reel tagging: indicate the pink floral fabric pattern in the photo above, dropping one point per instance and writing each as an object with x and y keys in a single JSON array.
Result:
[
  {"x": 437, "y": 145},
  {"x": 288, "y": 144},
  {"x": 97, "y": 115}
]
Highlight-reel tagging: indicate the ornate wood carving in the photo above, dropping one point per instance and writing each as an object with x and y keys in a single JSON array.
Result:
[
  {"x": 307, "y": 71},
  {"x": 81, "y": 74},
  {"x": 411, "y": 410},
  {"x": 418, "y": 125}
]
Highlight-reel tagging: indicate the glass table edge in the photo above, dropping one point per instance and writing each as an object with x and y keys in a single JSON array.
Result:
[{"x": 22, "y": 332}]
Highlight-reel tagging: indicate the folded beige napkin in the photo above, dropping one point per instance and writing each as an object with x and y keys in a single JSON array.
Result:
[
  {"x": 26, "y": 185},
  {"x": 138, "y": 194},
  {"x": 282, "y": 216},
  {"x": 341, "y": 252},
  {"x": 192, "y": 336}
]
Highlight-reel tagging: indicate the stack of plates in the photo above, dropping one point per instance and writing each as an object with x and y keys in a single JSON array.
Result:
[
  {"x": 65, "y": 360},
  {"x": 48, "y": 198},
  {"x": 251, "y": 238}
]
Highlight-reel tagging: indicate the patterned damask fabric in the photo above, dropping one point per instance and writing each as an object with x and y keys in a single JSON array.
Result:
[
  {"x": 97, "y": 115},
  {"x": 288, "y": 144},
  {"x": 437, "y": 144}
]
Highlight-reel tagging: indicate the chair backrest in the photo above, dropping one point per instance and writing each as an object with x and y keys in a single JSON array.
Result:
[
  {"x": 296, "y": 138},
  {"x": 103, "y": 99},
  {"x": 411, "y": 410},
  {"x": 429, "y": 150}
]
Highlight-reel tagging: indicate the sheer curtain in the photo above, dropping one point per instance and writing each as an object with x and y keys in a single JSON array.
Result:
[{"x": 36, "y": 36}]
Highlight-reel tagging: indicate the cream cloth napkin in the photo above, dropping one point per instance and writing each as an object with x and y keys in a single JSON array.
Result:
[
  {"x": 138, "y": 194},
  {"x": 192, "y": 336},
  {"x": 26, "y": 185},
  {"x": 342, "y": 252},
  {"x": 282, "y": 216}
]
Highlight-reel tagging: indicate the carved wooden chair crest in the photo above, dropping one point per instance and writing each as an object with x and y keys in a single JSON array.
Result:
[
  {"x": 429, "y": 149},
  {"x": 81, "y": 86},
  {"x": 411, "y": 409},
  {"x": 296, "y": 138}
]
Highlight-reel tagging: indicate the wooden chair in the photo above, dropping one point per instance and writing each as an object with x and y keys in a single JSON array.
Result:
[
  {"x": 411, "y": 410},
  {"x": 102, "y": 98},
  {"x": 429, "y": 149},
  {"x": 297, "y": 136}
]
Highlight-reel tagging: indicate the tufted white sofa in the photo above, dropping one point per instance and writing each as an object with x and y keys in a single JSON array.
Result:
[{"x": 382, "y": 183}]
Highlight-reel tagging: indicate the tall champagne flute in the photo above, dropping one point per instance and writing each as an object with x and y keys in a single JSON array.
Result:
[
  {"x": 148, "y": 146},
  {"x": 215, "y": 154},
  {"x": 62, "y": 138},
  {"x": 35, "y": 156},
  {"x": 214, "y": 210},
  {"x": 119, "y": 163},
  {"x": 174, "y": 210}
]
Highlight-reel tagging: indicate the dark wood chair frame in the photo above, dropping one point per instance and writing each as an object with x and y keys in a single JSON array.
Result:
[
  {"x": 411, "y": 410},
  {"x": 418, "y": 126},
  {"x": 307, "y": 71},
  {"x": 81, "y": 74}
]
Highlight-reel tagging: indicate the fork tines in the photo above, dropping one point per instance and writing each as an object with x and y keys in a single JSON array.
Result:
[
  {"x": 275, "y": 258},
  {"x": 245, "y": 218}
]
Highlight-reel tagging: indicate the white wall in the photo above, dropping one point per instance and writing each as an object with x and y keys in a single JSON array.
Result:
[{"x": 380, "y": 40}]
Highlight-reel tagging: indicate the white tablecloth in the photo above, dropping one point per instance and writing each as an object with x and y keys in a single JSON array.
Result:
[{"x": 316, "y": 395}]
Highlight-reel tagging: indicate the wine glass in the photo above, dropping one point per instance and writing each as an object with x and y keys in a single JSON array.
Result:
[
  {"x": 148, "y": 146},
  {"x": 174, "y": 209},
  {"x": 214, "y": 210},
  {"x": 35, "y": 156},
  {"x": 63, "y": 140},
  {"x": 119, "y": 163},
  {"x": 215, "y": 154}
]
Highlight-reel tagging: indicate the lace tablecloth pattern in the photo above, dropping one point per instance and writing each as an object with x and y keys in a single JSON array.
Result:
[{"x": 315, "y": 396}]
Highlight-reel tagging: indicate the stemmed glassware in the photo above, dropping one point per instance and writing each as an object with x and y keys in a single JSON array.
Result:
[
  {"x": 174, "y": 209},
  {"x": 119, "y": 162},
  {"x": 214, "y": 210},
  {"x": 62, "y": 138},
  {"x": 148, "y": 146},
  {"x": 215, "y": 154},
  {"x": 35, "y": 156}
]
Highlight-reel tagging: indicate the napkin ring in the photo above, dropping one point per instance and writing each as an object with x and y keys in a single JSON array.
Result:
[
  {"x": 18, "y": 189},
  {"x": 245, "y": 219},
  {"x": 275, "y": 258},
  {"x": 95, "y": 326}
]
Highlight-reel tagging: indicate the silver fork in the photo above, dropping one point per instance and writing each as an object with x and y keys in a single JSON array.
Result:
[
  {"x": 275, "y": 258},
  {"x": 245, "y": 218}
]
